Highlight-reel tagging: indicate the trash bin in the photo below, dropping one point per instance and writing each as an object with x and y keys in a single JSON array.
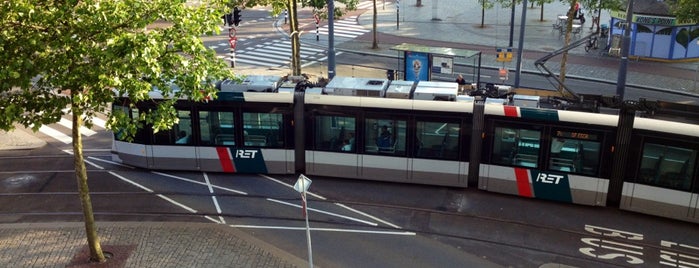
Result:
[
  {"x": 391, "y": 74},
  {"x": 604, "y": 31}
]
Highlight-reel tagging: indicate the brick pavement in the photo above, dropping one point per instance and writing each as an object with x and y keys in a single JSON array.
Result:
[{"x": 155, "y": 244}]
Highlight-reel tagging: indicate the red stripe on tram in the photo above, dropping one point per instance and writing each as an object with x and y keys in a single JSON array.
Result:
[
  {"x": 510, "y": 111},
  {"x": 523, "y": 186},
  {"x": 225, "y": 158}
]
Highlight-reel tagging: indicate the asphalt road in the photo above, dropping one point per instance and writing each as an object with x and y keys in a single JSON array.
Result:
[{"x": 353, "y": 223}]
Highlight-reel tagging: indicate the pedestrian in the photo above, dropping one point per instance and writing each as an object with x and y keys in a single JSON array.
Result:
[
  {"x": 460, "y": 80},
  {"x": 462, "y": 83}
]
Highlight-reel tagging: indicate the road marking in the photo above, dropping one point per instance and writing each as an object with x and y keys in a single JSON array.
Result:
[
  {"x": 368, "y": 216},
  {"x": 213, "y": 197},
  {"x": 69, "y": 124},
  {"x": 110, "y": 162},
  {"x": 56, "y": 134},
  {"x": 322, "y": 229},
  {"x": 151, "y": 191},
  {"x": 323, "y": 212},
  {"x": 198, "y": 182},
  {"x": 291, "y": 186}
]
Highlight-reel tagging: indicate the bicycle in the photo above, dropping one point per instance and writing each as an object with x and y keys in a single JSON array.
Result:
[{"x": 591, "y": 44}]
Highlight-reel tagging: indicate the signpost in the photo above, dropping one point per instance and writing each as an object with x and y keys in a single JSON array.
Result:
[
  {"x": 232, "y": 41},
  {"x": 301, "y": 186}
]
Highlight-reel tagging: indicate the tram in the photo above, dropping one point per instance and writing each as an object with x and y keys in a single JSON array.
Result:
[{"x": 429, "y": 133}]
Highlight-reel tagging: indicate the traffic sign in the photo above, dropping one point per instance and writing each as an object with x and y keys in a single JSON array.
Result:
[{"x": 302, "y": 184}]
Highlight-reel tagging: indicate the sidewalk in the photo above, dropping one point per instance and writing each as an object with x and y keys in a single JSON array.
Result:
[
  {"x": 143, "y": 244},
  {"x": 459, "y": 27}
]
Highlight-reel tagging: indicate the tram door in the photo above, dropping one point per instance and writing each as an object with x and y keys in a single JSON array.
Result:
[{"x": 435, "y": 152}]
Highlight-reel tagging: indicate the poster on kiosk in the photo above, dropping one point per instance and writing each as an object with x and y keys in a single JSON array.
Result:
[{"x": 417, "y": 66}]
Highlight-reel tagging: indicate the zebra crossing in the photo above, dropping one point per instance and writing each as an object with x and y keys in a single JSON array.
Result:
[
  {"x": 61, "y": 131},
  {"x": 275, "y": 53},
  {"x": 370, "y": 4},
  {"x": 346, "y": 28}
]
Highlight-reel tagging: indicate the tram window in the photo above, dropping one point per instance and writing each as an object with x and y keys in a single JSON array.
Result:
[
  {"x": 124, "y": 112},
  {"x": 385, "y": 136},
  {"x": 667, "y": 166},
  {"x": 437, "y": 140},
  {"x": 216, "y": 128},
  {"x": 518, "y": 147},
  {"x": 335, "y": 133},
  {"x": 574, "y": 155},
  {"x": 180, "y": 133},
  {"x": 263, "y": 130}
]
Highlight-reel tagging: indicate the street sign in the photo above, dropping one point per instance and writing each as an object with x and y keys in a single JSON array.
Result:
[
  {"x": 503, "y": 74},
  {"x": 504, "y": 55},
  {"x": 302, "y": 184}
]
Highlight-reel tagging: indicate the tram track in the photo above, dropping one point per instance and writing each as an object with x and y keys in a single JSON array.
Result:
[{"x": 463, "y": 241}]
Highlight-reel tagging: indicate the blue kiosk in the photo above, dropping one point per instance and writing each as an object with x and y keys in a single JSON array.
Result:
[{"x": 655, "y": 33}]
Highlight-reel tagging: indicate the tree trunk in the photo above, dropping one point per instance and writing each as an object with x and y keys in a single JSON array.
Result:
[
  {"x": 566, "y": 42},
  {"x": 541, "y": 15},
  {"x": 482, "y": 17},
  {"x": 93, "y": 241},
  {"x": 375, "y": 43},
  {"x": 295, "y": 40}
]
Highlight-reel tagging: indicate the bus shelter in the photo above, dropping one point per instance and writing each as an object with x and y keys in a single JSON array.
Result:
[{"x": 424, "y": 63}]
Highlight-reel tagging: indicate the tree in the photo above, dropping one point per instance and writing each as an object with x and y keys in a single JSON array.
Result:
[
  {"x": 485, "y": 4},
  {"x": 81, "y": 54},
  {"x": 375, "y": 42},
  {"x": 685, "y": 10}
]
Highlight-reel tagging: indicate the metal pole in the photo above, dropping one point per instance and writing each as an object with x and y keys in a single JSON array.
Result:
[
  {"x": 317, "y": 34},
  {"x": 308, "y": 232},
  {"x": 520, "y": 46},
  {"x": 512, "y": 23},
  {"x": 625, "y": 45},
  {"x": 397, "y": 14},
  {"x": 331, "y": 39}
]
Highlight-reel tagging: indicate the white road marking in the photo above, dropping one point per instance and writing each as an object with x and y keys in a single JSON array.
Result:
[
  {"x": 213, "y": 197},
  {"x": 151, "y": 191},
  {"x": 56, "y": 134},
  {"x": 368, "y": 216},
  {"x": 291, "y": 186},
  {"x": 323, "y": 212},
  {"x": 69, "y": 124},
  {"x": 110, "y": 162},
  {"x": 322, "y": 229},
  {"x": 200, "y": 183}
]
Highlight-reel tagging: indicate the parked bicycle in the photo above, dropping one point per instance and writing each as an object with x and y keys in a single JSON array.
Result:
[{"x": 591, "y": 43}]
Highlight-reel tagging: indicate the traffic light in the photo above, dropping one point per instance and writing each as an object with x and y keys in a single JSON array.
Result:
[
  {"x": 236, "y": 16},
  {"x": 228, "y": 19}
]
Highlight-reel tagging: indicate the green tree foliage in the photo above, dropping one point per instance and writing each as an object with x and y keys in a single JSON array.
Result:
[
  {"x": 685, "y": 10},
  {"x": 81, "y": 54}
]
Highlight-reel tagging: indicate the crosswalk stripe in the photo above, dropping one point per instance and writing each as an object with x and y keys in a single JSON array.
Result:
[
  {"x": 69, "y": 124},
  {"x": 255, "y": 62},
  {"x": 99, "y": 122},
  {"x": 56, "y": 134}
]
